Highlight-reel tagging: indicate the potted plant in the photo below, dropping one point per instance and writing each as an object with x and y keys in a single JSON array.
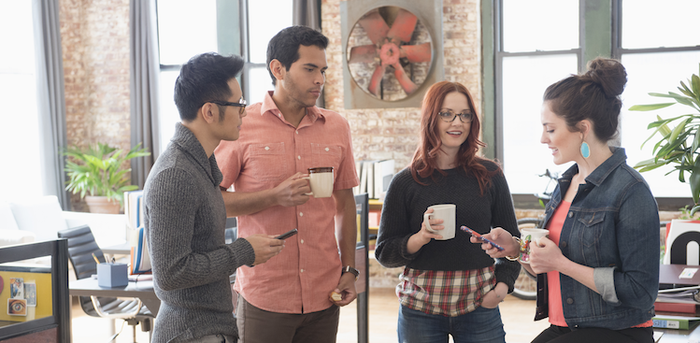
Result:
[
  {"x": 680, "y": 137},
  {"x": 100, "y": 174}
]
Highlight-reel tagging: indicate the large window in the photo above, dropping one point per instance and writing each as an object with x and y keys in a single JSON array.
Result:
[
  {"x": 538, "y": 42},
  {"x": 531, "y": 56},
  {"x": 19, "y": 132},
  {"x": 236, "y": 27},
  {"x": 657, "y": 57}
]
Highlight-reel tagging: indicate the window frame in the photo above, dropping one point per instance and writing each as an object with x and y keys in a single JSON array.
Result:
[{"x": 600, "y": 34}]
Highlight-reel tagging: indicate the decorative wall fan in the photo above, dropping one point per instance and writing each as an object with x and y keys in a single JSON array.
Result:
[
  {"x": 402, "y": 47},
  {"x": 390, "y": 49}
]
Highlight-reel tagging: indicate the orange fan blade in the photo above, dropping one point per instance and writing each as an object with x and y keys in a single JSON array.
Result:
[
  {"x": 362, "y": 54},
  {"x": 403, "y": 26},
  {"x": 376, "y": 79},
  {"x": 403, "y": 79},
  {"x": 416, "y": 53},
  {"x": 375, "y": 26}
]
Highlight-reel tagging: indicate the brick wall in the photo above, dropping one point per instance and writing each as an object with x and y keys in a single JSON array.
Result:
[
  {"x": 393, "y": 133},
  {"x": 95, "y": 42},
  {"x": 95, "y": 38}
]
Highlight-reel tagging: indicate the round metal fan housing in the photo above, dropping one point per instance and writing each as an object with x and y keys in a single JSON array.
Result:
[{"x": 389, "y": 53}]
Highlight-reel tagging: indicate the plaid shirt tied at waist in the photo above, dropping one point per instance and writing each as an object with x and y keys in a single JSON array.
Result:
[{"x": 447, "y": 293}]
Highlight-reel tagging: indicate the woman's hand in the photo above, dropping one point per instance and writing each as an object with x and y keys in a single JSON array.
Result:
[
  {"x": 493, "y": 297},
  {"x": 424, "y": 236},
  {"x": 546, "y": 256},
  {"x": 501, "y": 237}
]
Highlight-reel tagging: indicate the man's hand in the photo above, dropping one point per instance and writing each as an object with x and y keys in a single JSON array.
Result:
[
  {"x": 265, "y": 247},
  {"x": 346, "y": 288},
  {"x": 292, "y": 191}
]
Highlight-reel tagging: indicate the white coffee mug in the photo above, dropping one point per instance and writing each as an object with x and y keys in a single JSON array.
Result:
[
  {"x": 321, "y": 182},
  {"x": 528, "y": 236},
  {"x": 446, "y": 212}
]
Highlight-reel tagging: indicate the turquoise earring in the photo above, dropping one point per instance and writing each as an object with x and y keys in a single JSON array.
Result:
[{"x": 585, "y": 150}]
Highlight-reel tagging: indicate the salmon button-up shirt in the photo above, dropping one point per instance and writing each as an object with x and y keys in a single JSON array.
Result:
[{"x": 269, "y": 151}]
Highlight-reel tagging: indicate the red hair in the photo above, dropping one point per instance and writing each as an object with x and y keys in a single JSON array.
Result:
[{"x": 424, "y": 161}]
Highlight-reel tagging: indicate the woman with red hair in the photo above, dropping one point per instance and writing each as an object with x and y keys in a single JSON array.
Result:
[{"x": 448, "y": 287}]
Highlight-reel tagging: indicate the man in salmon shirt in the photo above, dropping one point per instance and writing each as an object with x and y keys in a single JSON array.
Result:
[{"x": 288, "y": 298}]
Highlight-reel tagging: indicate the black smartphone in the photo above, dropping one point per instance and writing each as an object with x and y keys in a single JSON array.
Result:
[
  {"x": 477, "y": 235},
  {"x": 287, "y": 234}
]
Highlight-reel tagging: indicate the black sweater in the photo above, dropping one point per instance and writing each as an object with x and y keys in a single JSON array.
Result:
[{"x": 402, "y": 214}]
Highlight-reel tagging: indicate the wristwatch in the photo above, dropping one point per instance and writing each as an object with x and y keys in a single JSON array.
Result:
[{"x": 351, "y": 270}]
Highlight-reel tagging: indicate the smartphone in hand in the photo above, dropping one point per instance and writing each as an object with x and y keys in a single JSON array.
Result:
[
  {"x": 482, "y": 238},
  {"x": 287, "y": 234}
]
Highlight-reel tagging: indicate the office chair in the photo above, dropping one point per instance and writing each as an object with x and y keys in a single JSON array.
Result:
[{"x": 81, "y": 247}]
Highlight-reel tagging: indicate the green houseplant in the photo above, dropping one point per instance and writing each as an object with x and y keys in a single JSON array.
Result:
[
  {"x": 680, "y": 137},
  {"x": 101, "y": 171}
]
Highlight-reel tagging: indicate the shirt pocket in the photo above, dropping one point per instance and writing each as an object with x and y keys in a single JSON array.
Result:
[
  {"x": 268, "y": 161},
  {"x": 325, "y": 155},
  {"x": 592, "y": 228}
]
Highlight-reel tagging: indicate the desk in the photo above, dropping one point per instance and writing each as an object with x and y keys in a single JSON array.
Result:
[
  {"x": 679, "y": 336},
  {"x": 119, "y": 249},
  {"x": 668, "y": 274},
  {"x": 135, "y": 289}
]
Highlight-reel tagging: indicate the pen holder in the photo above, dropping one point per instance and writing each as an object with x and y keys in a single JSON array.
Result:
[{"x": 112, "y": 275}]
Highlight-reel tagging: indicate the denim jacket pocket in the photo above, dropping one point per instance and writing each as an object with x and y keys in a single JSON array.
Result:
[{"x": 592, "y": 228}]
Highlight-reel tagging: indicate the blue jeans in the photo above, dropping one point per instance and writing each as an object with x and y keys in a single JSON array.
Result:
[{"x": 482, "y": 325}]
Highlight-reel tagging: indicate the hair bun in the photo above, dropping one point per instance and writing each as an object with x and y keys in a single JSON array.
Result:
[{"x": 609, "y": 74}]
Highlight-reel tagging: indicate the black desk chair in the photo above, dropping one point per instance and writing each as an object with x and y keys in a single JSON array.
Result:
[
  {"x": 81, "y": 247},
  {"x": 362, "y": 264}
]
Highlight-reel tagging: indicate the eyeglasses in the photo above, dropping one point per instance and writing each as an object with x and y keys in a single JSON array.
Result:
[
  {"x": 449, "y": 116},
  {"x": 241, "y": 104}
]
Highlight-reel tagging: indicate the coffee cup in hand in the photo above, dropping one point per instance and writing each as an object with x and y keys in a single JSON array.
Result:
[
  {"x": 321, "y": 182},
  {"x": 529, "y": 236},
  {"x": 446, "y": 212}
]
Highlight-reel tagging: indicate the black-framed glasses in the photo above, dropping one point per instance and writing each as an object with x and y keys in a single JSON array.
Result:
[
  {"x": 241, "y": 104},
  {"x": 449, "y": 116}
]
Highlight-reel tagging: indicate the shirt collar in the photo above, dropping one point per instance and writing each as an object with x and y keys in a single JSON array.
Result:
[
  {"x": 268, "y": 106},
  {"x": 598, "y": 176}
]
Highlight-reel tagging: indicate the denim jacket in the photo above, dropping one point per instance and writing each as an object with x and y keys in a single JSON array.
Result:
[{"x": 613, "y": 227}]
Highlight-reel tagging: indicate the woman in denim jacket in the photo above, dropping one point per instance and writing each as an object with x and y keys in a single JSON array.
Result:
[{"x": 598, "y": 269}]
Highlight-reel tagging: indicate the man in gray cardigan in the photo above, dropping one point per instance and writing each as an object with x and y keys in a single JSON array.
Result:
[{"x": 185, "y": 213}]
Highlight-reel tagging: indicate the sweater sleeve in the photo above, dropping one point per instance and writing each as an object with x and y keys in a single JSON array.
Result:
[
  {"x": 172, "y": 202},
  {"x": 503, "y": 215},
  {"x": 394, "y": 227}
]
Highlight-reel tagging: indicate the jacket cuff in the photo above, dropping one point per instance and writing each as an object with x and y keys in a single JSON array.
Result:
[{"x": 604, "y": 279}]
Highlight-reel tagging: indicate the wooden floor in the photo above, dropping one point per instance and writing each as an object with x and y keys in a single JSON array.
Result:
[{"x": 517, "y": 318}]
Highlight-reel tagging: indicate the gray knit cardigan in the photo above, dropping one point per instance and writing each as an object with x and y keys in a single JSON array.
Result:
[{"x": 185, "y": 219}]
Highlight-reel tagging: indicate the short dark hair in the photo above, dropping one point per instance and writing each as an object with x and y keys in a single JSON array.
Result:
[
  {"x": 594, "y": 95},
  {"x": 284, "y": 46},
  {"x": 204, "y": 78}
]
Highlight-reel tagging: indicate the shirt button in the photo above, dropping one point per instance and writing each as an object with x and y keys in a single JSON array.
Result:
[
  {"x": 297, "y": 131},
  {"x": 298, "y": 157},
  {"x": 267, "y": 148},
  {"x": 302, "y": 270},
  {"x": 571, "y": 214},
  {"x": 327, "y": 149},
  {"x": 301, "y": 214},
  {"x": 302, "y": 241},
  {"x": 562, "y": 244},
  {"x": 569, "y": 301}
]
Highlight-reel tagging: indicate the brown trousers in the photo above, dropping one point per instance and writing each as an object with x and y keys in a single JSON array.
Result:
[{"x": 260, "y": 326}]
